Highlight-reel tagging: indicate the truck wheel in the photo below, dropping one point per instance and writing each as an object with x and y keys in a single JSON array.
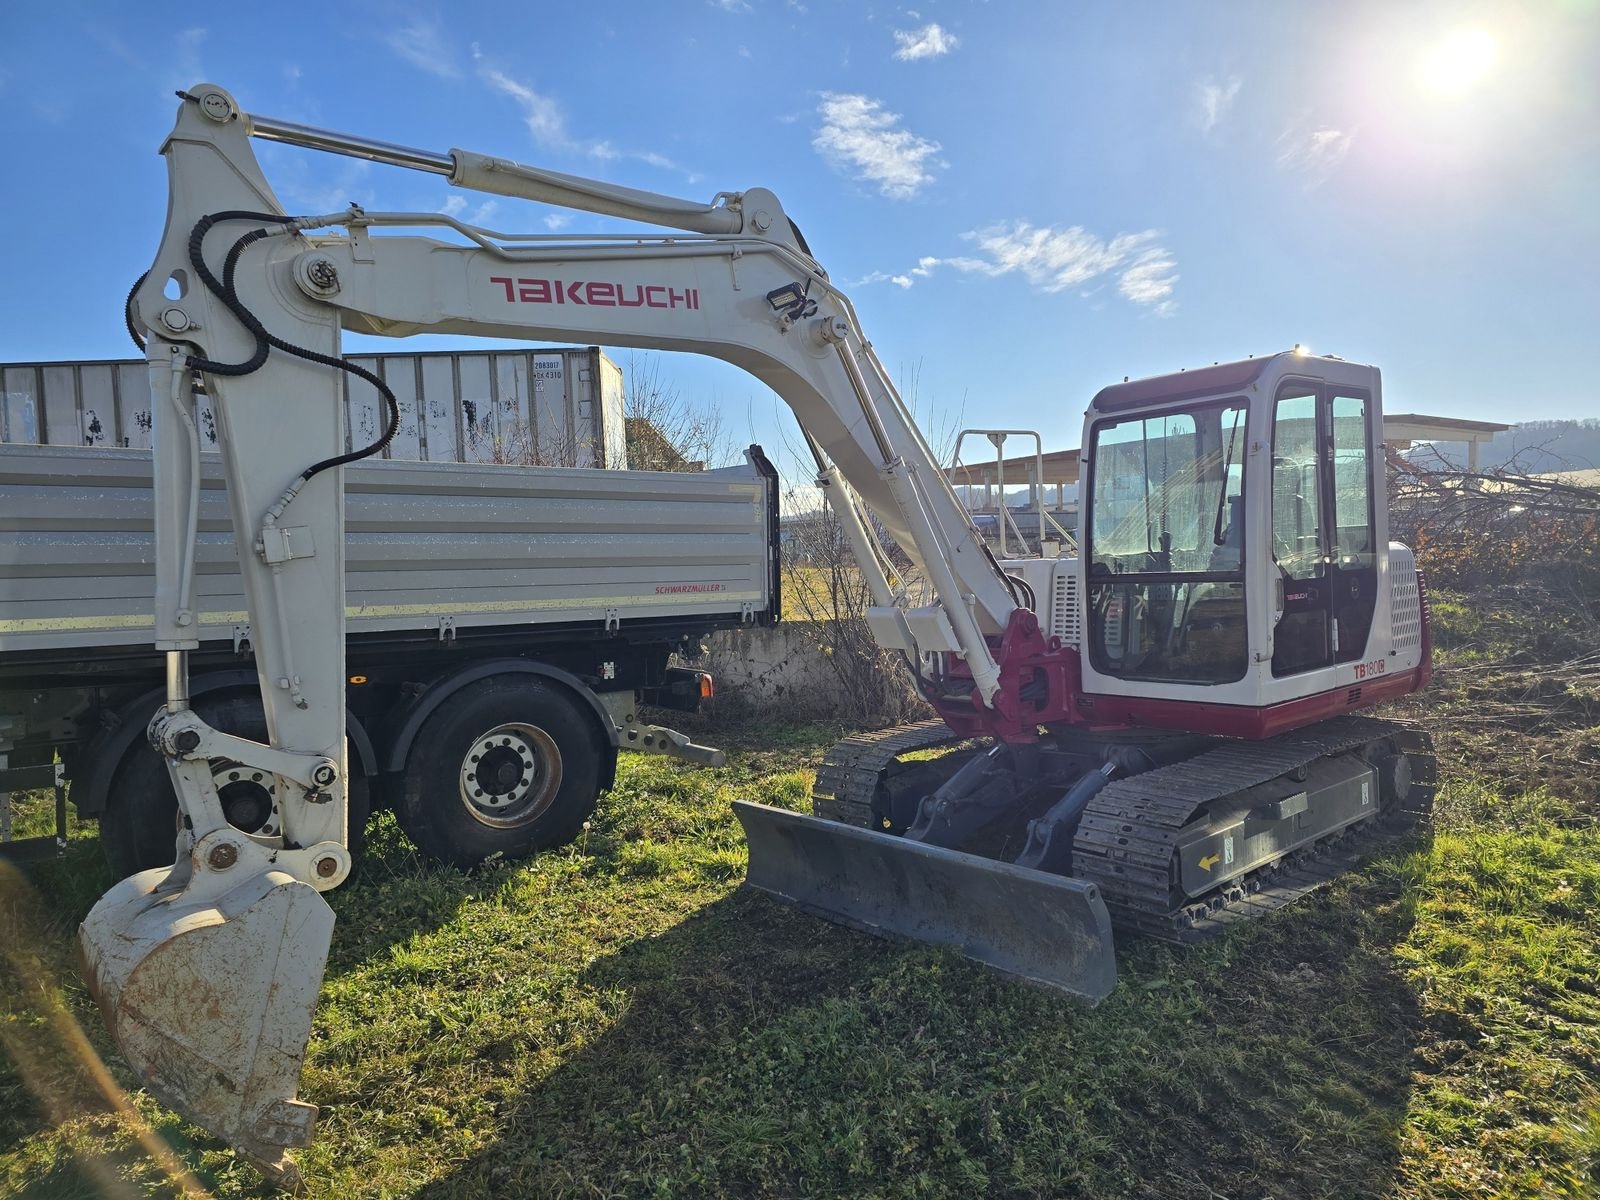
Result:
[
  {"x": 138, "y": 829},
  {"x": 508, "y": 766}
]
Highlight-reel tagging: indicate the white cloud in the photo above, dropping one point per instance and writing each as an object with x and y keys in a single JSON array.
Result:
[
  {"x": 1151, "y": 279},
  {"x": 1313, "y": 152},
  {"x": 1213, "y": 99},
  {"x": 547, "y": 122},
  {"x": 456, "y": 206},
  {"x": 1053, "y": 260},
  {"x": 542, "y": 115},
  {"x": 856, "y": 133},
  {"x": 189, "y": 42},
  {"x": 900, "y": 281},
  {"x": 424, "y": 45},
  {"x": 556, "y": 222},
  {"x": 928, "y": 42},
  {"x": 651, "y": 159},
  {"x": 731, "y": 6}
]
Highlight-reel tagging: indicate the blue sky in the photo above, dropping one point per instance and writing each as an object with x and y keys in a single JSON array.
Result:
[{"x": 1031, "y": 200}]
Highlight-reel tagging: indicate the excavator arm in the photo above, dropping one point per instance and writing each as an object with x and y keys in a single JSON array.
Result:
[{"x": 208, "y": 971}]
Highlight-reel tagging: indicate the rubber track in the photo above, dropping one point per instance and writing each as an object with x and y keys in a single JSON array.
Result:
[
  {"x": 847, "y": 782},
  {"x": 1125, "y": 842}
]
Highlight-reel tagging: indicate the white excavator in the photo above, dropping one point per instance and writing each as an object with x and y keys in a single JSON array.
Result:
[{"x": 1156, "y": 734}]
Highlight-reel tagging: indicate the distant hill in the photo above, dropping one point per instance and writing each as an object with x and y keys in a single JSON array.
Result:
[{"x": 1530, "y": 448}]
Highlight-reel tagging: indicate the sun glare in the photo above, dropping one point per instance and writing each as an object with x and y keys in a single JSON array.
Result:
[{"x": 1459, "y": 62}]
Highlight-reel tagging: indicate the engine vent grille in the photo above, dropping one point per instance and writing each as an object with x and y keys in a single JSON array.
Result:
[
  {"x": 1066, "y": 615},
  {"x": 1405, "y": 607}
]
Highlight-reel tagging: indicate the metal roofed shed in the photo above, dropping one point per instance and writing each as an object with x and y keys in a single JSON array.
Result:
[{"x": 1401, "y": 430}]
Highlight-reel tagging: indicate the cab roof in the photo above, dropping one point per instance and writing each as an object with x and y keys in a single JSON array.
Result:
[{"x": 1202, "y": 381}]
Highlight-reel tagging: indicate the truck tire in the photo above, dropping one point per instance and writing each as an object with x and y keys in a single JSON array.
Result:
[
  {"x": 138, "y": 829},
  {"x": 509, "y": 765}
]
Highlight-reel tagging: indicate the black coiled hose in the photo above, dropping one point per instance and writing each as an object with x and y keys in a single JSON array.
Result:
[
  {"x": 266, "y": 340},
  {"x": 127, "y": 311},
  {"x": 224, "y": 289}
]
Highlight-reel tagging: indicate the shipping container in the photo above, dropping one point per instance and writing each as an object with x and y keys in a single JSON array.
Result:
[{"x": 536, "y": 406}]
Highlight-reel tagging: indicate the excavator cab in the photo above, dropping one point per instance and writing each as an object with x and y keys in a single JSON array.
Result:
[{"x": 1236, "y": 539}]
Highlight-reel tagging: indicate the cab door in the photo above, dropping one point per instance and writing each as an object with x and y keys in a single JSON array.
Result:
[
  {"x": 1353, "y": 557},
  {"x": 1303, "y": 639},
  {"x": 1323, "y": 532}
]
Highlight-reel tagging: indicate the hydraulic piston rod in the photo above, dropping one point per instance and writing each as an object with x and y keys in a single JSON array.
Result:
[{"x": 484, "y": 173}]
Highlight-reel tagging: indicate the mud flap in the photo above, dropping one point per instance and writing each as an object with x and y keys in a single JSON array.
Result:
[
  {"x": 210, "y": 999},
  {"x": 1047, "y": 929}
]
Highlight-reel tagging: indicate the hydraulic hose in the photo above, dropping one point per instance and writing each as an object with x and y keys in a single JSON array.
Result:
[
  {"x": 266, "y": 341},
  {"x": 225, "y": 290},
  {"x": 127, "y": 312}
]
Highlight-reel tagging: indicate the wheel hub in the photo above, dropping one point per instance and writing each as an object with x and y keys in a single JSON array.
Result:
[{"x": 510, "y": 774}]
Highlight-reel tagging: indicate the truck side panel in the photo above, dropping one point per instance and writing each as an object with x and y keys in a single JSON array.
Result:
[{"x": 428, "y": 545}]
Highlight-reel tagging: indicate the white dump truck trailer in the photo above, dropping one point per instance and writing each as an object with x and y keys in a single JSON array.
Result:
[{"x": 503, "y": 622}]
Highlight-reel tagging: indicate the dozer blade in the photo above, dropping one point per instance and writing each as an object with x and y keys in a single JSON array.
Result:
[
  {"x": 209, "y": 998},
  {"x": 1047, "y": 929}
]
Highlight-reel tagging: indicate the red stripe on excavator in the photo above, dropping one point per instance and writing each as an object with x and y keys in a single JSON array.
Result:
[
  {"x": 1027, "y": 657},
  {"x": 1233, "y": 720}
]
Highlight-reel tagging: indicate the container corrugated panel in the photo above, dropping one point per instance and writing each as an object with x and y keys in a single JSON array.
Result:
[
  {"x": 526, "y": 405},
  {"x": 480, "y": 544}
]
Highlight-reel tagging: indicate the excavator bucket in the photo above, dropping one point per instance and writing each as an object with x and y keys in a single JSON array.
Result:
[
  {"x": 209, "y": 992},
  {"x": 1047, "y": 929}
]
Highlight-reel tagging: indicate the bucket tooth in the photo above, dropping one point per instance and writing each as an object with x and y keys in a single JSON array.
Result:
[
  {"x": 210, "y": 999},
  {"x": 1047, "y": 929}
]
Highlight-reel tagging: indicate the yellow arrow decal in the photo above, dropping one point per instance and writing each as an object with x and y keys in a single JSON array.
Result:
[{"x": 1209, "y": 861}]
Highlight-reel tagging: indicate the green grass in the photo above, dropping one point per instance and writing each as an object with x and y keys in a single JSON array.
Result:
[{"x": 619, "y": 1019}]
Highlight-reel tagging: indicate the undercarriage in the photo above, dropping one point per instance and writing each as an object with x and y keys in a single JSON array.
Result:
[{"x": 1177, "y": 837}]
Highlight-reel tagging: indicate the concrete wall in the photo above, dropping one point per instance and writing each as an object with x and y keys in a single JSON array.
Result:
[
  {"x": 775, "y": 670},
  {"x": 788, "y": 672}
]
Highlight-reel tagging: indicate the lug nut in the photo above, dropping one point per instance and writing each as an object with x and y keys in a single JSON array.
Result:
[
  {"x": 224, "y": 856},
  {"x": 328, "y": 867}
]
